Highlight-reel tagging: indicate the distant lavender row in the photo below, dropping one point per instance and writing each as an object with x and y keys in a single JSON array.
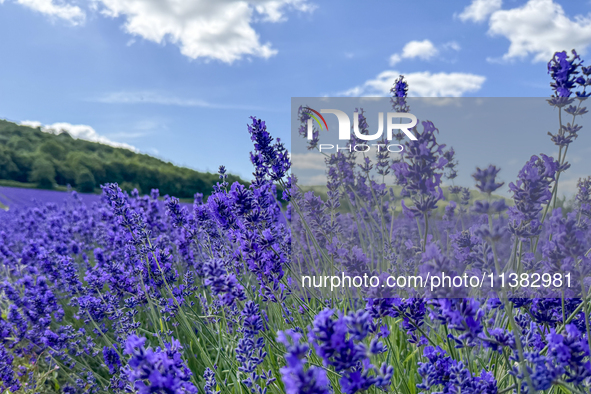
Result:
[
  {"x": 22, "y": 197},
  {"x": 14, "y": 197}
]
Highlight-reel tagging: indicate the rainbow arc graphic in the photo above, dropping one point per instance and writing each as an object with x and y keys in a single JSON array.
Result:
[{"x": 316, "y": 119}]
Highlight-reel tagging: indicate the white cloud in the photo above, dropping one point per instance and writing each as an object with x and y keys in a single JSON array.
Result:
[
  {"x": 308, "y": 161},
  {"x": 84, "y": 132},
  {"x": 424, "y": 50},
  {"x": 147, "y": 97},
  {"x": 315, "y": 180},
  {"x": 421, "y": 49},
  {"x": 395, "y": 59},
  {"x": 568, "y": 187},
  {"x": 540, "y": 28},
  {"x": 150, "y": 97},
  {"x": 422, "y": 84},
  {"x": 56, "y": 9},
  {"x": 479, "y": 10},
  {"x": 452, "y": 45},
  {"x": 208, "y": 29},
  {"x": 274, "y": 10}
]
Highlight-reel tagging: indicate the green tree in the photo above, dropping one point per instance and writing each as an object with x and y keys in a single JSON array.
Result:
[
  {"x": 85, "y": 181},
  {"x": 43, "y": 173},
  {"x": 7, "y": 167},
  {"x": 19, "y": 143},
  {"x": 24, "y": 162},
  {"x": 53, "y": 149},
  {"x": 65, "y": 174}
]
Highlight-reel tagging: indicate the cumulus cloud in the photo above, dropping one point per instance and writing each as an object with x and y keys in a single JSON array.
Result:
[
  {"x": 540, "y": 28},
  {"x": 422, "y": 84},
  {"x": 84, "y": 132},
  {"x": 55, "y": 9},
  {"x": 220, "y": 29},
  {"x": 415, "y": 49},
  {"x": 479, "y": 10},
  {"x": 424, "y": 50},
  {"x": 421, "y": 49}
]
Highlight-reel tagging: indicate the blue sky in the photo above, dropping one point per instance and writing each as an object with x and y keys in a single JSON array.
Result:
[{"x": 179, "y": 80}]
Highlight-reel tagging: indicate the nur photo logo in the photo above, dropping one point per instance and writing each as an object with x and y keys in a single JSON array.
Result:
[{"x": 393, "y": 122}]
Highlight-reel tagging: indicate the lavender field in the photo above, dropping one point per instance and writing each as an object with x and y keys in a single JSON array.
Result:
[
  {"x": 120, "y": 293},
  {"x": 13, "y": 197}
]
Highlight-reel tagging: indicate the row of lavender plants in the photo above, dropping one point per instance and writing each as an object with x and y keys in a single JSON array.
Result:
[{"x": 132, "y": 296}]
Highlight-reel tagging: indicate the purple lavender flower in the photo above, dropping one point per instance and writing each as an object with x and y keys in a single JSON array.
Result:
[
  {"x": 331, "y": 343},
  {"x": 399, "y": 92},
  {"x": 177, "y": 213},
  {"x": 421, "y": 170},
  {"x": 569, "y": 353},
  {"x": 8, "y": 380},
  {"x": 530, "y": 192},
  {"x": 296, "y": 379},
  {"x": 486, "y": 179},
  {"x": 451, "y": 375},
  {"x": 270, "y": 160},
  {"x": 210, "y": 382},
  {"x": 250, "y": 351},
  {"x": 111, "y": 358},
  {"x": 159, "y": 370},
  {"x": 463, "y": 315},
  {"x": 338, "y": 343},
  {"x": 583, "y": 197},
  {"x": 563, "y": 71},
  {"x": 222, "y": 284}
]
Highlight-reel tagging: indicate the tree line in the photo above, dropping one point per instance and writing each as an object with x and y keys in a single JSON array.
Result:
[{"x": 33, "y": 156}]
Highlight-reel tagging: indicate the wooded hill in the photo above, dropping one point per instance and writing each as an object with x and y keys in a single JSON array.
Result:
[{"x": 46, "y": 160}]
